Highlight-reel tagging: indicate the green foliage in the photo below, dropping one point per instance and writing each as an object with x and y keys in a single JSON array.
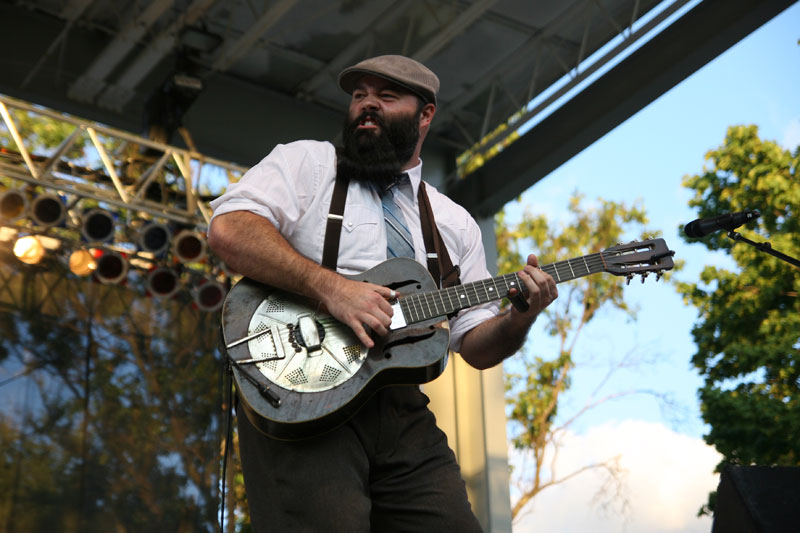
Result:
[
  {"x": 40, "y": 134},
  {"x": 533, "y": 392},
  {"x": 119, "y": 428},
  {"x": 748, "y": 333}
]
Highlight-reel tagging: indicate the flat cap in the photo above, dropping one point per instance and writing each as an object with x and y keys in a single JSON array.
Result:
[{"x": 402, "y": 70}]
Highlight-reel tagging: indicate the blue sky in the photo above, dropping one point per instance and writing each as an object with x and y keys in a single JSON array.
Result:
[{"x": 755, "y": 82}]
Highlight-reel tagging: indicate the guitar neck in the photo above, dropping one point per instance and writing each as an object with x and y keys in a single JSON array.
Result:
[{"x": 428, "y": 305}]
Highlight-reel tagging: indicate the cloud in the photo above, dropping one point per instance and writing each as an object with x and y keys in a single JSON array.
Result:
[
  {"x": 667, "y": 477},
  {"x": 791, "y": 135}
]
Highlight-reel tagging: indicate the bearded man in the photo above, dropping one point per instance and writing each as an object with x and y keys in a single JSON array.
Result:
[{"x": 388, "y": 468}]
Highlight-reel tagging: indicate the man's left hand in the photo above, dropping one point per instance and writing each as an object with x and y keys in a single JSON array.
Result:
[{"x": 541, "y": 290}]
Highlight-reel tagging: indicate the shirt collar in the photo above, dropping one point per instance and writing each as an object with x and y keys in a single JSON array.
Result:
[{"x": 414, "y": 177}]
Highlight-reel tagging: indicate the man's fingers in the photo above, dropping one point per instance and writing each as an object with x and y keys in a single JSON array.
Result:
[
  {"x": 541, "y": 287},
  {"x": 362, "y": 335}
]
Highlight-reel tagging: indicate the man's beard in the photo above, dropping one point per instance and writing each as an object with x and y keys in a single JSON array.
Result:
[{"x": 377, "y": 158}]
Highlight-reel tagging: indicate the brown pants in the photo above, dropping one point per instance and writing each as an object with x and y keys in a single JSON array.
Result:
[{"x": 387, "y": 469}]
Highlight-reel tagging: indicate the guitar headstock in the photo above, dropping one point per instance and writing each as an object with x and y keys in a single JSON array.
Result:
[{"x": 642, "y": 257}]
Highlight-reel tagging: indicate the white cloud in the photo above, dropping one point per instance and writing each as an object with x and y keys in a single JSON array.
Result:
[
  {"x": 667, "y": 478},
  {"x": 791, "y": 135}
]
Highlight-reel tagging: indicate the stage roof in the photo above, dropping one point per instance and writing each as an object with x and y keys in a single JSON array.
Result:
[{"x": 243, "y": 75}]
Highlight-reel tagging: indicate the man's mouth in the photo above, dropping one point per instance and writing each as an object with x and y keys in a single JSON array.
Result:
[{"x": 368, "y": 122}]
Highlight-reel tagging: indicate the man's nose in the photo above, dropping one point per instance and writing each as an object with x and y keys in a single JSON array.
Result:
[{"x": 369, "y": 102}]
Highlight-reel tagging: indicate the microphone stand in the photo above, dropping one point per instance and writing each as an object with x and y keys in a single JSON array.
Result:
[{"x": 764, "y": 247}]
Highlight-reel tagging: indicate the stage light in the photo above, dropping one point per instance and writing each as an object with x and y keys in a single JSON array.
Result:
[
  {"x": 29, "y": 249},
  {"x": 12, "y": 205},
  {"x": 82, "y": 262},
  {"x": 48, "y": 210},
  {"x": 154, "y": 238},
  {"x": 163, "y": 282},
  {"x": 209, "y": 295},
  {"x": 111, "y": 267},
  {"x": 97, "y": 226},
  {"x": 189, "y": 246}
]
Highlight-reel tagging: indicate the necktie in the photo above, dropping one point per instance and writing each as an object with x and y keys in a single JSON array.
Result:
[{"x": 398, "y": 237}]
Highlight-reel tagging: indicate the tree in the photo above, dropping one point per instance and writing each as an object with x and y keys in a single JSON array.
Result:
[
  {"x": 120, "y": 425},
  {"x": 534, "y": 390},
  {"x": 111, "y": 417},
  {"x": 748, "y": 333}
]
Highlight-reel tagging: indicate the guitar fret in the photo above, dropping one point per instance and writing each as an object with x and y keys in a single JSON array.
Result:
[
  {"x": 444, "y": 302},
  {"x": 489, "y": 297},
  {"x": 472, "y": 290},
  {"x": 452, "y": 307},
  {"x": 428, "y": 305},
  {"x": 418, "y": 308},
  {"x": 555, "y": 269},
  {"x": 440, "y": 307},
  {"x": 411, "y": 308}
]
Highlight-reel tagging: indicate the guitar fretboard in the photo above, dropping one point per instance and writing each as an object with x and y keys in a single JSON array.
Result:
[{"x": 428, "y": 305}]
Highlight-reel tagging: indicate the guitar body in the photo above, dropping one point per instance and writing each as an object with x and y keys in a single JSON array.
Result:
[{"x": 307, "y": 373}]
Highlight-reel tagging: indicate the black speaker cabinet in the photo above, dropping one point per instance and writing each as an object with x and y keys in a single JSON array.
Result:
[{"x": 758, "y": 499}]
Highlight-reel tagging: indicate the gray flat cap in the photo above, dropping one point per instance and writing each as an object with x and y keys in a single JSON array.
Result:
[{"x": 402, "y": 70}]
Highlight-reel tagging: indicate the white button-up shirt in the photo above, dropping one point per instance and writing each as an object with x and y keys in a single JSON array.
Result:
[{"x": 292, "y": 188}]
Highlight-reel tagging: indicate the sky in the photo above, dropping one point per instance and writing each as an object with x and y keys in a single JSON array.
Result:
[{"x": 667, "y": 467}]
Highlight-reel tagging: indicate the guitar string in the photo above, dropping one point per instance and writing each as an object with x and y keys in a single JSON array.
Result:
[
  {"x": 473, "y": 290},
  {"x": 585, "y": 265}
]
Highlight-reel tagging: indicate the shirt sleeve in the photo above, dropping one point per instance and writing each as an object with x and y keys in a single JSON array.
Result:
[
  {"x": 473, "y": 268},
  {"x": 280, "y": 187}
]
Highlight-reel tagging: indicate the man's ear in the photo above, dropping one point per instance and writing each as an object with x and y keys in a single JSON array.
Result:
[{"x": 426, "y": 114}]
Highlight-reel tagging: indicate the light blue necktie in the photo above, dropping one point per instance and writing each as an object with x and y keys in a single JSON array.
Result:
[{"x": 398, "y": 237}]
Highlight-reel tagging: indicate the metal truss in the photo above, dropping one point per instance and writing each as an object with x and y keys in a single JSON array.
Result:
[
  {"x": 138, "y": 185},
  {"x": 576, "y": 69},
  {"x": 111, "y": 167}
]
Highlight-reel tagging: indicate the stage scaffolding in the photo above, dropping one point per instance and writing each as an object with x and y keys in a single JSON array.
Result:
[
  {"x": 111, "y": 384},
  {"x": 50, "y": 161}
]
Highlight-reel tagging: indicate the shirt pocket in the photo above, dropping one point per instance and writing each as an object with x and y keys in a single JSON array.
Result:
[{"x": 361, "y": 234}]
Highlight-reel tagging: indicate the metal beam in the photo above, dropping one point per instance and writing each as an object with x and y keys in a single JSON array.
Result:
[
  {"x": 513, "y": 61},
  {"x": 679, "y": 50},
  {"x": 232, "y": 53},
  {"x": 87, "y": 87},
  {"x": 70, "y": 13},
  {"x": 119, "y": 93},
  {"x": 577, "y": 77},
  {"x": 346, "y": 56},
  {"x": 453, "y": 29}
]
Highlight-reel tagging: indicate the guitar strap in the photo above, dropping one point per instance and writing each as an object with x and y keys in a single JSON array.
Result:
[
  {"x": 439, "y": 263},
  {"x": 333, "y": 229}
]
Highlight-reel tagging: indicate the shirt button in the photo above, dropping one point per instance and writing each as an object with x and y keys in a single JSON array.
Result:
[{"x": 349, "y": 224}]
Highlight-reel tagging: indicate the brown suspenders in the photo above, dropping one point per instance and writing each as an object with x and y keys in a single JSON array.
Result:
[
  {"x": 333, "y": 229},
  {"x": 439, "y": 264}
]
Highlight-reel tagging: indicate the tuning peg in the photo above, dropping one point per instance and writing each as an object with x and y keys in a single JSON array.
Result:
[
  {"x": 659, "y": 274},
  {"x": 628, "y": 279},
  {"x": 644, "y": 276}
]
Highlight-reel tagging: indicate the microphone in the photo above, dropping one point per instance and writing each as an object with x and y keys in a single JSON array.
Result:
[{"x": 728, "y": 222}]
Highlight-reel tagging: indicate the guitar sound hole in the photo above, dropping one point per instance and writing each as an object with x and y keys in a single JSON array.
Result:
[{"x": 388, "y": 355}]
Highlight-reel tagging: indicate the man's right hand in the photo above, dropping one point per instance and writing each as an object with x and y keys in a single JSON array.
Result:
[
  {"x": 360, "y": 306},
  {"x": 252, "y": 246}
]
